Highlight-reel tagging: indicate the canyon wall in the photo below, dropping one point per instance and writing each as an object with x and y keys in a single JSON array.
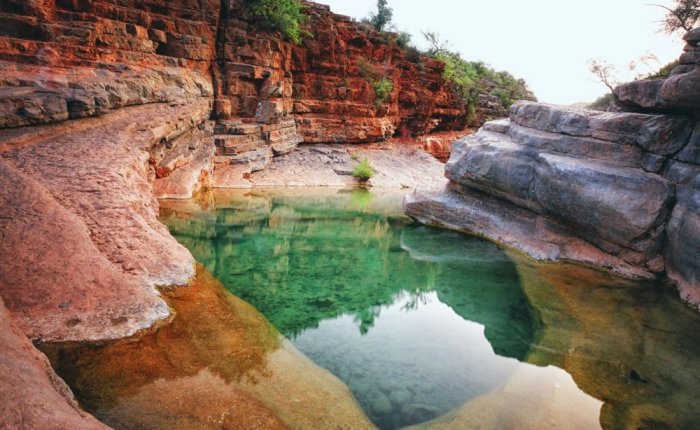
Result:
[
  {"x": 188, "y": 94},
  {"x": 137, "y": 99},
  {"x": 70, "y": 59},
  {"x": 326, "y": 82},
  {"x": 618, "y": 190}
]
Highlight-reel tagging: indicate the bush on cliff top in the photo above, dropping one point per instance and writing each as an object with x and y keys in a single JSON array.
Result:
[
  {"x": 285, "y": 16},
  {"x": 473, "y": 78},
  {"x": 382, "y": 18}
]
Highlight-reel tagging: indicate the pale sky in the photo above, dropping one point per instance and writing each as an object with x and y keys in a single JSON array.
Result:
[{"x": 546, "y": 42}]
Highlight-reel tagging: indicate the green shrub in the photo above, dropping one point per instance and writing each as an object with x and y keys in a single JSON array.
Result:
[
  {"x": 381, "y": 85},
  {"x": 363, "y": 170},
  {"x": 664, "y": 71},
  {"x": 382, "y": 90},
  {"x": 603, "y": 103},
  {"x": 285, "y": 16},
  {"x": 472, "y": 78},
  {"x": 404, "y": 40}
]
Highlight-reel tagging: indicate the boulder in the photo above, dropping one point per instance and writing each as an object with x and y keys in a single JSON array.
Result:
[{"x": 565, "y": 188}]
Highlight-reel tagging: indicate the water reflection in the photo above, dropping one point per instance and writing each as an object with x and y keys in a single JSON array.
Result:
[
  {"x": 387, "y": 306},
  {"x": 426, "y": 327},
  {"x": 219, "y": 364}
]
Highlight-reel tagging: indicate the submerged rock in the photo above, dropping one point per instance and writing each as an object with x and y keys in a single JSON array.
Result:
[{"x": 219, "y": 364}]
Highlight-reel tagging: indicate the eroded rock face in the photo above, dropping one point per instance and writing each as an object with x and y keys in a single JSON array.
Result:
[
  {"x": 681, "y": 91},
  {"x": 83, "y": 249},
  {"x": 74, "y": 59},
  {"x": 326, "y": 83},
  {"x": 618, "y": 190}
]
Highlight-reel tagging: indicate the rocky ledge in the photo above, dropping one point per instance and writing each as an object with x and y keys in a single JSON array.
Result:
[
  {"x": 620, "y": 190},
  {"x": 617, "y": 190},
  {"x": 82, "y": 248}
]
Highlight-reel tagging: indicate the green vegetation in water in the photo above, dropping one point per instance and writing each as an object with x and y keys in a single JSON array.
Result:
[
  {"x": 363, "y": 171},
  {"x": 285, "y": 16}
]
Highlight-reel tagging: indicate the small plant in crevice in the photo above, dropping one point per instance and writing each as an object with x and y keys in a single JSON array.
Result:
[
  {"x": 382, "y": 90},
  {"x": 381, "y": 85},
  {"x": 363, "y": 171}
]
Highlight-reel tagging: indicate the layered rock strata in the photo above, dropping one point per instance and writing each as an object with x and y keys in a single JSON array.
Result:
[
  {"x": 73, "y": 59},
  {"x": 326, "y": 83},
  {"x": 189, "y": 94},
  {"x": 82, "y": 248},
  {"x": 618, "y": 190}
]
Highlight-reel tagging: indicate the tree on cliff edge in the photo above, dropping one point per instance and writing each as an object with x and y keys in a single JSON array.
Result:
[
  {"x": 383, "y": 16},
  {"x": 683, "y": 16}
]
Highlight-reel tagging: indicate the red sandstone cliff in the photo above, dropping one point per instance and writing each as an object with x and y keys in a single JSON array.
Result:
[
  {"x": 82, "y": 249},
  {"x": 64, "y": 59},
  {"x": 322, "y": 82}
]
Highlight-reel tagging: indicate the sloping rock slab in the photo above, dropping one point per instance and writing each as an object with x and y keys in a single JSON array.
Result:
[
  {"x": 31, "y": 395},
  {"x": 82, "y": 247},
  {"x": 661, "y": 134},
  {"x": 503, "y": 222}
]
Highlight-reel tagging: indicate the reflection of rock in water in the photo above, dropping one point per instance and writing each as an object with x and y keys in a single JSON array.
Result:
[
  {"x": 630, "y": 344},
  {"x": 219, "y": 364},
  {"x": 480, "y": 283},
  {"x": 633, "y": 345},
  {"x": 326, "y": 254},
  {"x": 533, "y": 398}
]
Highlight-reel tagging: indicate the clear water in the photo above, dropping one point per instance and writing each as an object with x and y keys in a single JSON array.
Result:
[{"x": 424, "y": 324}]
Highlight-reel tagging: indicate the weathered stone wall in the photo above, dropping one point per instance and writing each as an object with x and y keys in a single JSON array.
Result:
[
  {"x": 618, "y": 190},
  {"x": 325, "y": 83},
  {"x": 69, "y": 59},
  {"x": 66, "y": 59}
]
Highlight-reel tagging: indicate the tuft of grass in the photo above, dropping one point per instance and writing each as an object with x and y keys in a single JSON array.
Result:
[
  {"x": 382, "y": 90},
  {"x": 363, "y": 171}
]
